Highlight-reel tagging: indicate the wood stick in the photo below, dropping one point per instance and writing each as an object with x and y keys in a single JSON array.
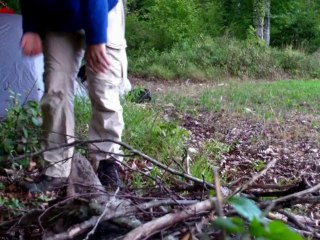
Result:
[
  {"x": 150, "y": 228},
  {"x": 80, "y": 228},
  {"x": 134, "y": 151}
]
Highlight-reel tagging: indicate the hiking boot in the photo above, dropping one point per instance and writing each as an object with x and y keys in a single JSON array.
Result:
[
  {"x": 109, "y": 174},
  {"x": 44, "y": 184}
]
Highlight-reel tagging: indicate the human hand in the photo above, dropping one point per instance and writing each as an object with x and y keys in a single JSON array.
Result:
[
  {"x": 97, "y": 59},
  {"x": 31, "y": 44}
]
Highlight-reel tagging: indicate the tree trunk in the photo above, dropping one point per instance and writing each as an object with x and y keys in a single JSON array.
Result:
[
  {"x": 266, "y": 27},
  {"x": 259, "y": 16}
]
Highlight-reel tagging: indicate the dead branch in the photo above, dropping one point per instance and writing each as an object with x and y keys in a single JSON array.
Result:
[
  {"x": 84, "y": 226},
  {"x": 306, "y": 200},
  {"x": 285, "y": 190},
  {"x": 296, "y": 195},
  {"x": 134, "y": 151},
  {"x": 155, "y": 226},
  {"x": 292, "y": 218},
  {"x": 219, "y": 200},
  {"x": 254, "y": 178},
  {"x": 102, "y": 215}
]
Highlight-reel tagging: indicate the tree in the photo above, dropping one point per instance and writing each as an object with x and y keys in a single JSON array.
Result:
[{"x": 262, "y": 12}]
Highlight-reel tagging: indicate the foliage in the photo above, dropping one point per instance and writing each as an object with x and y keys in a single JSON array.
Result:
[
  {"x": 19, "y": 132},
  {"x": 145, "y": 129},
  {"x": 258, "y": 226},
  {"x": 13, "y": 4},
  {"x": 207, "y": 157},
  {"x": 296, "y": 24},
  {"x": 223, "y": 58},
  {"x": 12, "y": 205},
  {"x": 163, "y": 23}
]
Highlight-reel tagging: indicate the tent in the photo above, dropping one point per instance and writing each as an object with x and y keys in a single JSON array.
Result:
[{"x": 20, "y": 76}]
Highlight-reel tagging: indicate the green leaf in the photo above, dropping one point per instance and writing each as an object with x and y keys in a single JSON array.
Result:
[
  {"x": 24, "y": 162},
  {"x": 8, "y": 145},
  {"x": 257, "y": 229},
  {"x": 246, "y": 208},
  {"x": 2, "y": 187},
  {"x": 35, "y": 121},
  {"x": 231, "y": 225},
  {"x": 25, "y": 132},
  {"x": 279, "y": 231}
]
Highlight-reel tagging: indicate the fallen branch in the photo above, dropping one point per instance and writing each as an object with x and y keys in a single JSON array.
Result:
[
  {"x": 102, "y": 215},
  {"x": 134, "y": 151},
  {"x": 78, "y": 229},
  {"x": 292, "y": 218},
  {"x": 155, "y": 226},
  {"x": 254, "y": 178},
  {"x": 296, "y": 195}
]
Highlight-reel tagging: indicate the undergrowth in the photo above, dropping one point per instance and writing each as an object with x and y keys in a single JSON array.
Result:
[
  {"x": 212, "y": 59},
  {"x": 19, "y": 132}
]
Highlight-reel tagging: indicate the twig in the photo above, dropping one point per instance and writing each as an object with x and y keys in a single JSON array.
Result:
[
  {"x": 294, "y": 220},
  {"x": 102, "y": 215},
  {"x": 302, "y": 185},
  {"x": 134, "y": 151},
  {"x": 297, "y": 194},
  {"x": 82, "y": 227},
  {"x": 254, "y": 178},
  {"x": 310, "y": 200},
  {"x": 219, "y": 200},
  {"x": 148, "y": 229}
]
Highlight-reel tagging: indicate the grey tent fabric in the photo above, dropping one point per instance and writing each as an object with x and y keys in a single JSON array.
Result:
[{"x": 20, "y": 76}]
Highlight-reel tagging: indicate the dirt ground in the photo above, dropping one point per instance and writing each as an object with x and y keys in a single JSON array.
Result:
[{"x": 294, "y": 142}]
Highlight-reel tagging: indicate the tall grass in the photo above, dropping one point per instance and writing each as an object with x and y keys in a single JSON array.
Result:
[
  {"x": 145, "y": 129},
  {"x": 210, "y": 59}
]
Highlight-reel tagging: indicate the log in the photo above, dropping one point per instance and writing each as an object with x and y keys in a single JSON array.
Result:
[{"x": 83, "y": 181}]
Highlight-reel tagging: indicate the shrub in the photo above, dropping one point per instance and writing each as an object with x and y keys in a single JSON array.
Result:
[
  {"x": 163, "y": 23},
  {"x": 19, "y": 132},
  {"x": 210, "y": 58}
]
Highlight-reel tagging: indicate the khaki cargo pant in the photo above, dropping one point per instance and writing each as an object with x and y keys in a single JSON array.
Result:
[{"x": 63, "y": 53}]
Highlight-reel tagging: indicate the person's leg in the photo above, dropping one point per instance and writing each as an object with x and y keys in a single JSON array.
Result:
[
  {"x": 63, "y": 53},
  {"x": 107, "y": 118}
]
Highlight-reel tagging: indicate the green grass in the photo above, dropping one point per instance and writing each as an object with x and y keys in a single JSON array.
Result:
[
  {"x": 148, "y": 131},
  {"x": 206, "y": 159},
  {"x": 145, "y": 130},
  {"x": 262, "y": 99}
]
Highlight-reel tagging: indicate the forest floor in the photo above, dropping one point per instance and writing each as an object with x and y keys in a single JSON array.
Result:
[
  {"x": 258, "y": 121},
  {"x": 239, "y": 127}
]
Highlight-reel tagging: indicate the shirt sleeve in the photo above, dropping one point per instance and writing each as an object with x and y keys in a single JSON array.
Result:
[
  {"x": 29, "y": 23},
  {"x": 95, "y": 14}
]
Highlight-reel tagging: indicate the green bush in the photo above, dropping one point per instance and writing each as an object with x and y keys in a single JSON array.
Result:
[
  {"x": 19, "y": 132},
  {"x": 163, "y": 23},
  {"x": 223, "y": 57}
]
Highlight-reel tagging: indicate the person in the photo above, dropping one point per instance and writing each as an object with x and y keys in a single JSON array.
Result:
[{"x": 65, "y": 31}]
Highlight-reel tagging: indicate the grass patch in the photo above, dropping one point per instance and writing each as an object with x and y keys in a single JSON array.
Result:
[
  {"x": 211, "y": 59},
  {"x": 145, "y": 129},
  {"x": 261, "y": 99},
  {"x": 205, "y": 160}
]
